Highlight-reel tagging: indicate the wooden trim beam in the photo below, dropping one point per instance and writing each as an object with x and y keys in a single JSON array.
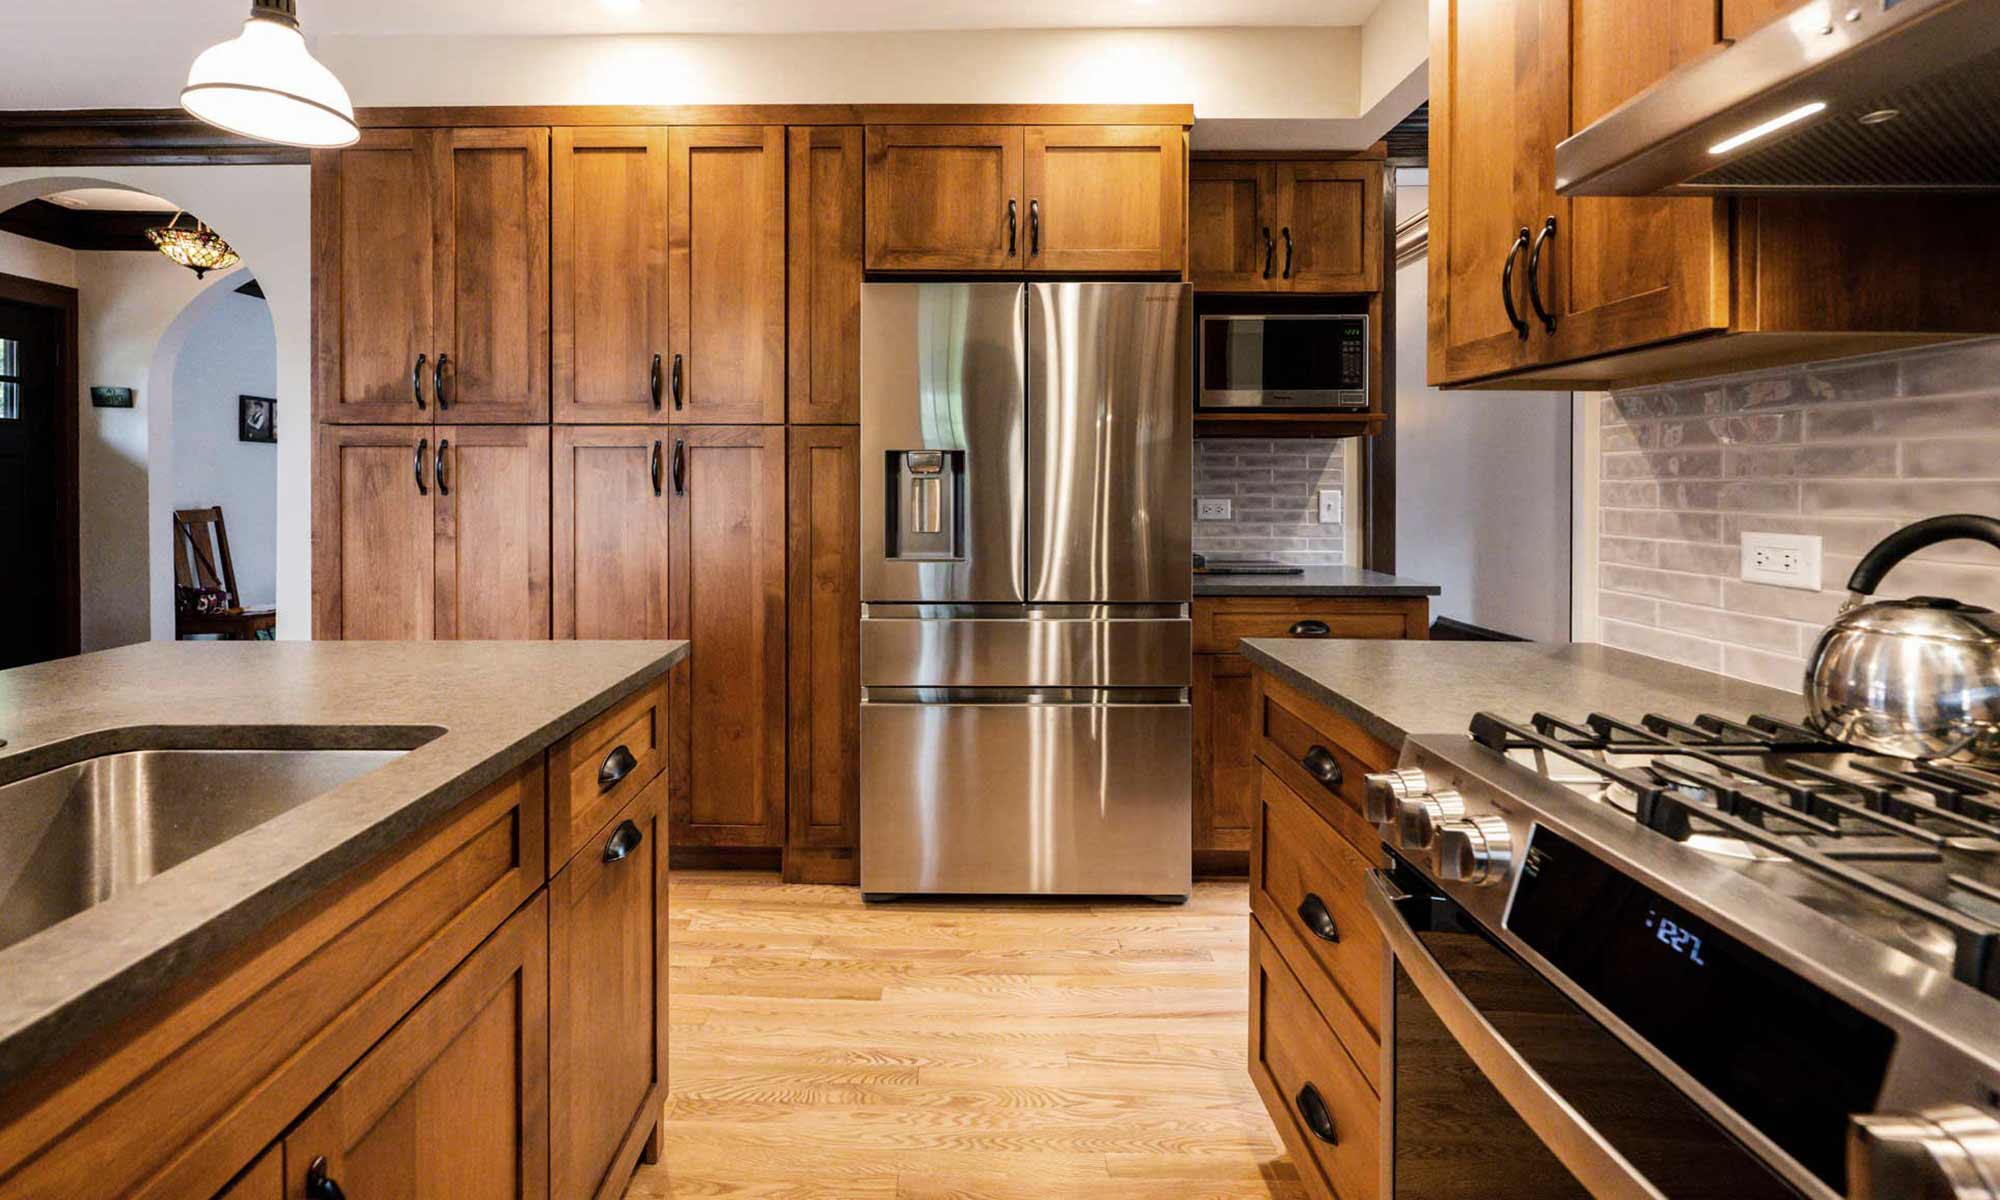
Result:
[
  {"x": 87, "y": 137},
  {"x": 778, "y": 114}
]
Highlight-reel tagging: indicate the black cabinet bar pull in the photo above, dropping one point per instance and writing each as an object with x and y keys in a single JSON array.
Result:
[
  {"x": 623, "y": 841},
  {"x": 680, "y": 468},
  {"x": 437, "y": 380},
  {"x": 617, "y": 765},
  {"x": 677, "y": 383},
  {"x": 1320, "y": 763},
  {"x": 1286, "y": 233},
  {"x": 1312, "y": 1109},
  {"x": 1013, "y": 213},
  {"x": 320, "y": 1185},
  {"x": 653, "y": 466},
  {"x": 1034, "y": 228},
  {"x": 1310, "y": 628},
  {"x": 417, "y": 380},
  {"x": 1270, "y": 248},
  {"x": 653, "y": 383},
  {"x": 1507, "y": 284},
  {"x": 417, "y": 466},
  {"x": 1312, "y": 910},
  {"x": 1534, "y": 275},
  {"x": 437, "y": 467}
]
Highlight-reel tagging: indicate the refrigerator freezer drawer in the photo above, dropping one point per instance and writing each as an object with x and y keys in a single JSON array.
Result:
[
  {"x": 1017, "y": 653},
  {"x": 1077, "y": 799}
]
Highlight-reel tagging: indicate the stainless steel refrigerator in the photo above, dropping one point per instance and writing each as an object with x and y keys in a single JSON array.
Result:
[{"x": 1026, "y": 650}]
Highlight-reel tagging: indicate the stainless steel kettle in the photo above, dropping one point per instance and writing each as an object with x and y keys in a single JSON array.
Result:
[{"x": 1916, "y": 678}]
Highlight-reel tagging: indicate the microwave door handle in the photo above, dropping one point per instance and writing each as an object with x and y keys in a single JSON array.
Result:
[{"x": 1597, "y": 1165}]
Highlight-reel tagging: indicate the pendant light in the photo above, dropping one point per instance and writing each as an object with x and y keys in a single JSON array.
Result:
[
  {"x": 199, "y": 248},
  {"x": 265, "y": 84}
]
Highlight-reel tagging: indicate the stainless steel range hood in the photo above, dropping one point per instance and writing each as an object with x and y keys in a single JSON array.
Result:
[{"x": 1840, "y": 95}]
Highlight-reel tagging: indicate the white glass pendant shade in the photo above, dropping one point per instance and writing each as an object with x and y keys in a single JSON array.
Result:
[{"x": 265, "y": 84}]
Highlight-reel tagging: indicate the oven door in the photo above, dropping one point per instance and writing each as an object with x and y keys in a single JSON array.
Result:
[{"x": 1498, "y": 1085}]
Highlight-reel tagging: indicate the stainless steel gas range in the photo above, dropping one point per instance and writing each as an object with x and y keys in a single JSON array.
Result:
[{"x": 1707, "y": 958}]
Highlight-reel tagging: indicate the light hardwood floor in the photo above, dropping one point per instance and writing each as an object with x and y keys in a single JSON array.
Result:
[{"x": 821, "y": 1048}]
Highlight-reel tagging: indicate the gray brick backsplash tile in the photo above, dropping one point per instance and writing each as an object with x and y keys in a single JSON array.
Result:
[
  {"x": 1846, "y": 451},
  {"x": 1273, "y": 486}
]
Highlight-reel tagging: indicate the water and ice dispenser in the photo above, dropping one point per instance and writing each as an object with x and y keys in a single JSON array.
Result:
[{"x": 926, "y": 501}]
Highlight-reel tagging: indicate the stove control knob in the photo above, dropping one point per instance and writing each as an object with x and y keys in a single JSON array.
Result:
[
  {"x": 1382, "y": 792},
  {"x": 1952, "y": 1150},
  {"x": 1418, "y": 820},
  {"x": 1477, "y": 850}
]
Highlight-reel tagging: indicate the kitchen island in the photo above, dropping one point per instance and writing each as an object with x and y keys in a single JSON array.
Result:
[{"x": 456, "y": 952}]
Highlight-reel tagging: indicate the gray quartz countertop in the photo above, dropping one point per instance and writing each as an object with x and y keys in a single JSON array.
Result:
[
  {"x": 1394, "y": 689},
  {"x": 1315, "y": 581},
  {"x": 483, "y": 706}
]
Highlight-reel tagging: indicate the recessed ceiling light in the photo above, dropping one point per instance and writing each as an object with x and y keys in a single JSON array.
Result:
[
  {"x": 265, "y": 84},
  {"x": 1879, "y": 116},
  {"x": 1771, "y": 126}
]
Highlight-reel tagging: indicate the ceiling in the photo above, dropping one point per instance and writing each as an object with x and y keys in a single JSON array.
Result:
[
  {"x": 110, "y": 199},
  {"x": 532, "y": 17}
]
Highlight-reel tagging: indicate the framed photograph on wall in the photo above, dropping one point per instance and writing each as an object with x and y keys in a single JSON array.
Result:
[{"x": 256, "y": 419}]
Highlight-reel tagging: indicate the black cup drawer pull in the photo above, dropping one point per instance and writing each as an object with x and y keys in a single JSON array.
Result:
[
  {"x": 1323, "y": 766},
  {"x": 1312, "y": 910},
  {"x": 1310, "y": 628},
  {"x": 320, "y": 1185},
  {"x": 623, "y": 841},
  {"x": 617, "y": 765},
  {"x": 1313, "y": 1110}
]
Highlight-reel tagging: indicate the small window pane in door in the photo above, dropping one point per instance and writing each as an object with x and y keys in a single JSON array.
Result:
[{"x": 10, "y": 379}]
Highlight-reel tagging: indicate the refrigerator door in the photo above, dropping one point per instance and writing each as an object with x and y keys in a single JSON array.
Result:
[
  {"x": 941, "y": 428},
  {"x": 1109, "y": 443}
]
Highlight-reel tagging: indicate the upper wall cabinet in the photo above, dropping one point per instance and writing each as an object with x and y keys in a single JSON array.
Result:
[
  {"x": 1067, "y": 199},
  {"x": 433, "y": 269},
  {"x": 1529, "y": 288},
  {"x": 1287, "y": 226},
  {"x": 612, "y": 339}
]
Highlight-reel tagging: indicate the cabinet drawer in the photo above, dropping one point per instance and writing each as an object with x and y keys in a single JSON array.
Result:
[
  {"x": 1221, "y": 622},
  {"x": 1322, "y": 756},
  {"x": 597, "y": 770},
  {"x": 1295, "y": 1060},
  {"x": 607, "y": 984},
  {"x": 1306, "y": 890}
]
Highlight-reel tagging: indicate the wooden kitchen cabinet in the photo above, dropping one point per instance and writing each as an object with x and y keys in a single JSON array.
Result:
[
  {"x": 728, "y": 585},
  {"x": 823, "y": 246},
  {"x": 374, "y": 534},
  {"x": 491, "y": 194},
  {"x": 1287, "y": 225},
  {"x": 611, "y": 528},
  {"x": 490, "y": 497},
  {"x": 726, "y": 272},
  {"x": 823, "y": 832},
  {"x": 457, "y": 1091},
  {"x": 610, "y": 294},
  {"x": 261, "y": 1180},
  {"x": 1105, "y": 197},
  {"x": 1225, "y": 759},
  {"x": 607, "y": 993},
  {"x": 945, "y": 198},
  {"x": 1232, "y": 246}
]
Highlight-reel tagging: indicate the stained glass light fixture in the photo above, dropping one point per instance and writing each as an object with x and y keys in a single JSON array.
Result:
[
  {"x": 265, "y": 84},
  {"x": 196, "y": 247}
]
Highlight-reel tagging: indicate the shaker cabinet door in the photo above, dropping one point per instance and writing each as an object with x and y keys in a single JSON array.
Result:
[
  {"x": 1105, "y": 197},
  {"x": 491, "y": 217},
  {"x": 825, "y": 635},
  {"x": 491, "y": 494},
  {"x": 945, "y": 198},
  {"x": 373, "y": 535},
  {"x": 726, "y": 254},
  {"x": 373, "y": 279},
  {"x": 609, "y": 245},
  {"x": 611, "y": 523},
  {"x": 1330, "y": 234},
  {"x": 824, "y": 259},
  {"x": 1233, "y": 246}
]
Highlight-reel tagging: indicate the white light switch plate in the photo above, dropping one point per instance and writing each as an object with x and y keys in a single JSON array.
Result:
[
  {"x": 1785, "y": 559},
  {"x": 1330, "y": 506},
  {"x": 1206, "y": 509}
]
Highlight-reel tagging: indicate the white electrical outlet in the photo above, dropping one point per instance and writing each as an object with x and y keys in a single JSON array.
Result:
[
  {"x": 1330, "y": 507},
  {"x": 1785, "y": 559},
  {"x": 1206, "y": 509}
]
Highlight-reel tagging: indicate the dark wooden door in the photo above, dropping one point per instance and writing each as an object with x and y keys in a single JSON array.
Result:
[
  {"x": 491, "y": 501},
  {"x": 611, "y": 527},
  {"x": 1105, "y": 197},
  {"x": 825, "y": 766},
  {"x": 454, "y": 1099},
  {"x": 726, "y": 255},
  {"x": 609, "y": 243},
  {"x": 35, "y": 603},
  {"x": 1330, "y": 231},
  {"x": 374, "y": 535},
  {"x": 491, "y": 206},
  {"x": 728, "y": 575},
  {"x": 1225, "y": 754},
  {"x": 607, "y": 987},
  {"x": 374, "y": 279},
  {"x": 1232, "y": 245},
  {"x": 824, "y": 256},
  {"x": 945, "y": 198}
]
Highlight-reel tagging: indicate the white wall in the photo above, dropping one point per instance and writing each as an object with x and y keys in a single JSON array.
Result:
[
  {"x": 1482, "y": 486},
  {"x": 229, "y": 350},
  {"x": 31, "y": 259}
]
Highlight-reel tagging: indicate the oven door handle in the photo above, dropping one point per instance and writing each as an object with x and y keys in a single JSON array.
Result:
[{"x": 1597, "y": 1165}]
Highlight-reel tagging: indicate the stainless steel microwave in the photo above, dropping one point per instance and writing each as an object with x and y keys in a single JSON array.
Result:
[{"x": 1288, "y": 360}]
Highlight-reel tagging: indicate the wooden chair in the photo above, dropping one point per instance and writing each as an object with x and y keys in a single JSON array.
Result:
[{"x": 201, "y": 540}]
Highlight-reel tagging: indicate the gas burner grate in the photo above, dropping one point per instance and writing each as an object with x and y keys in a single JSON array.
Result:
[{"x": 1826, "y": 817}]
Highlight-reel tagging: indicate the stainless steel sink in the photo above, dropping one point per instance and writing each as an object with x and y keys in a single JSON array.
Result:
[{"x": 81, "y": 834}]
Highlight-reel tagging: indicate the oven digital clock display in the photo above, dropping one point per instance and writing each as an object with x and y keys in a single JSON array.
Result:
[{"x": 1675, "y": 936}]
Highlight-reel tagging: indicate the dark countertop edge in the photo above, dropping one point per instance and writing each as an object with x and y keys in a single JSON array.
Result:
[
  {"x": 1290, "y": 585},
  {"x": 62, "y": 1027},
  {"x": 1382, "y": 731}
]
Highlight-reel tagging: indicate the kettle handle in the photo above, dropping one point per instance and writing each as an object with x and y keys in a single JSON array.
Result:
[{"x": 1921, "y": 535}]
